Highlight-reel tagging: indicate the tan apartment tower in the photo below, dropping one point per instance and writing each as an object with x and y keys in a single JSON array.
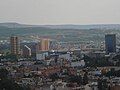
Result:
[
  {"x": 14, "y": 43},
  {"x": 43, "y": 45}
]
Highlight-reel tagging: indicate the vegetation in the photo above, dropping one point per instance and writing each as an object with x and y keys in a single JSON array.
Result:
[
  {"x": 75, "y": 79},
  {"x": 102, "y": 84},
  {"x": 54, "y": 76},
  {"x": 97, "y": 62},
  {"x": 8, "y": 83},
  {"x": 113, "y": 73},
  {"x": 10, "y": 57}
]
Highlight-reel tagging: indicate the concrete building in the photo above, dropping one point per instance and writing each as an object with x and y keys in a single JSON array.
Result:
[
  {"x": 65, "y": 56},
  {"x": 110, "y": 43},
  {"x": 26, "y": 51},
  {"x": 78, "y": 63},
  {"x": 15, "y": 45},
  {"x": 53, "y": 54},
  {"x": 41, "y": 55},
  {"x": 96, "y": 54},
  {"x": 43, "y": 45}
]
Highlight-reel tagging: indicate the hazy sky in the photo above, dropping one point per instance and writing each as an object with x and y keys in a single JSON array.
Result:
[{"x": 60, "y": 11}]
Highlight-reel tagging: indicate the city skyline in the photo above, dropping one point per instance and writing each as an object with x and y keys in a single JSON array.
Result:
[
  {"x": 60, "y": 11},
  {"x": 59, "y": 45}
]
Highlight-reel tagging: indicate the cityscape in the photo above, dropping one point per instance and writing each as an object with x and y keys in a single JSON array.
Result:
[
  {"x": 49, "y": 63},
  {"x": 59, "y": 45}
]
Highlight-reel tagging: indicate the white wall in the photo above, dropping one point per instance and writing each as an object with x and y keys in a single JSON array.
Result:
[{"x": 78, "y": 63}]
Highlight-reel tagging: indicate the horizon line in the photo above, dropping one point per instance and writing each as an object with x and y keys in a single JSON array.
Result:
[{"x": 61, "y": 24}]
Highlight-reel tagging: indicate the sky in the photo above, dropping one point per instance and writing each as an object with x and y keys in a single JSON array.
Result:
[{"x": 60, "y": 11}]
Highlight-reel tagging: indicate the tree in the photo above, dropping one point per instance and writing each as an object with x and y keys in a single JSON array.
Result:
[
  {"x": 102, "y": 84},
  {"x": 75, "y": 79},
  {"x": 85, "y": 79},
  {"x": 3, "y": 73},
  {"x": 99, "y": 84},
  {"x": 54, "y": 76},
  {"x": 8, "y": 83}
]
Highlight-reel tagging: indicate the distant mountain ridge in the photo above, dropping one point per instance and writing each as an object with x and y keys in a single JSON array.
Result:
[
  {"x": 66, "y": 26},
  {"x": 15, "y": 25},
  {"x": 97, "y": 26}
]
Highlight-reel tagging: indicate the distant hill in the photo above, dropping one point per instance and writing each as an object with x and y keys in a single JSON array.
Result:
[
  {"x": 67, "y": 26},
  {"x": 97, "y": 26},
  {"x": 16, "y": 25},
  {"x": 7, "y": 29},
  {"x": 74, "y": 33}
]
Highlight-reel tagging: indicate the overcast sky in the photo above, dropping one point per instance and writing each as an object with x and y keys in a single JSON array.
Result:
[{"x": 60, "y": 11}]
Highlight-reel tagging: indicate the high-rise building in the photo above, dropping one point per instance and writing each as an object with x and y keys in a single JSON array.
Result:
[
  {"x": 26, "y": 51},
  {"x": 33, "y": 48},
  {"x": 110, "y": 43},
  {"x": 15, "y": 45},
  {"x": 43, "y": 45}
]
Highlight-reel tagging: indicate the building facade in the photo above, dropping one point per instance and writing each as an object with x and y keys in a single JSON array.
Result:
[
  {"x": 43, "y": 45},
  {"x": 15, "y": 45},
  {"x": 110, "y": 43},
  {"x": 26, "y": 51}
]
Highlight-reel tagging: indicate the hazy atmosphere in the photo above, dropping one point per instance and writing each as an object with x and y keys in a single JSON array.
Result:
[
  {"x": 60, "y": 11},
  {"x": 59, "y": 44}
]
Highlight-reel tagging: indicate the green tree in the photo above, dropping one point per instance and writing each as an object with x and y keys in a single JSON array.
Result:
[
  {"x": 8, "y": 83},
  {"x": 3, "y": 73},
  {"x": 85, "y": 79}
]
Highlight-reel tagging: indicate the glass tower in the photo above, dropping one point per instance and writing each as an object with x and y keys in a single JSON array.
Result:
[{"x": 110, "y": 43}]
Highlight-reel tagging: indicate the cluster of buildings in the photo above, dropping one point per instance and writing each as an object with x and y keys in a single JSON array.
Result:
[
  {"x": 24, "y": 50},
  {"x": 52, "y": 68},
  {"x": 41, "y": 76},
  {"x": 44, "y": 46}
]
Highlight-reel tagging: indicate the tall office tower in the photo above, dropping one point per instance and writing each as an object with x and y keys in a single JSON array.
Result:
[
  {"x": 110, "y": 43},
  {"x": 15, "y": 45},
  {"x": 26, "y": 51},
  {"x": 43, "y": 45}
]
